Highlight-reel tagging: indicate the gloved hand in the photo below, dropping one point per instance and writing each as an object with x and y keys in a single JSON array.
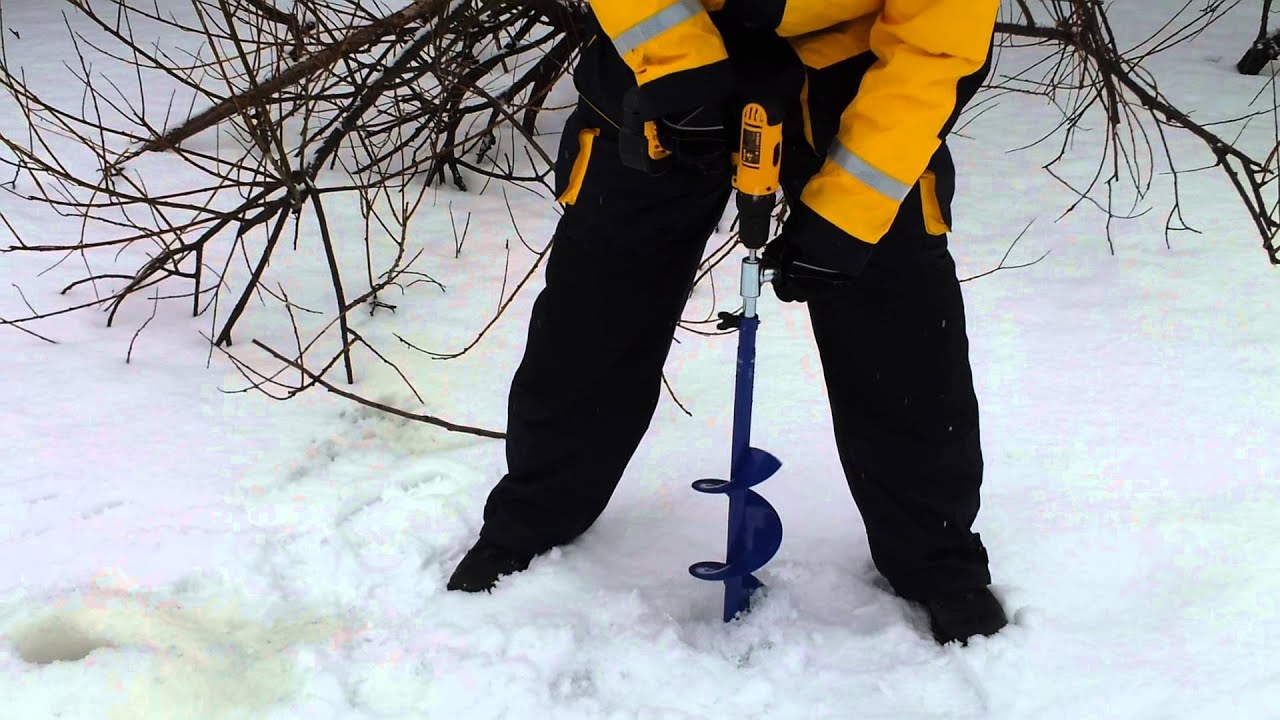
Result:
[
  {"x": 754, "y": 14},
  {"x": 794, "y": 280},
  {"x": 811, "y": 258},
  {"x": 698, "y": 139}
]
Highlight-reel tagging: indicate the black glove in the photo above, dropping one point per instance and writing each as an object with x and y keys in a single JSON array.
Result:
[
  {"x": 795, "y": 280},
  {"x": 812, "y": 258},
  {"x": 754, "y": 14},
  {"x": 699, "y": 139},
  {"x": 696, "y": 139}
]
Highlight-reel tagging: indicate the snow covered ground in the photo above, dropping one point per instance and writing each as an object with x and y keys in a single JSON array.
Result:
[{"x": 168, "y": 550}]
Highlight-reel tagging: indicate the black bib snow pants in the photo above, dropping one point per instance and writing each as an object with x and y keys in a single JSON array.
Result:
[{"x": 893, "y": 346}]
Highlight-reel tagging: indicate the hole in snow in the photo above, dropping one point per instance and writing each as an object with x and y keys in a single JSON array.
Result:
[
  {"x": 57, "y": 640},
  {"x": 208, "y": 656}
]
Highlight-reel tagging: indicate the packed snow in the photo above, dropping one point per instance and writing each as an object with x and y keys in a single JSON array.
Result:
[{"x": 175, "y": 550}]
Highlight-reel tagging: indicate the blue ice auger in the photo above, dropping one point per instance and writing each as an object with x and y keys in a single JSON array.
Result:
[{"x": 755, "y": 530}]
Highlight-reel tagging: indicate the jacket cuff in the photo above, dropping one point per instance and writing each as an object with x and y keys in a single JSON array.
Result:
[
  {"x": 686, "y": 90},
  {"x": 822, "y": 244}
]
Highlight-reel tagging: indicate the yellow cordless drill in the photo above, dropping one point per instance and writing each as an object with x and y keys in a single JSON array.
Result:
[
  {"x": 757, "y": 177},
  {"x": 758, "y": 164}
]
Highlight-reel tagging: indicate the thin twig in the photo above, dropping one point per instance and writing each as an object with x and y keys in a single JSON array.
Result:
[{"x": 428, "y": 419}]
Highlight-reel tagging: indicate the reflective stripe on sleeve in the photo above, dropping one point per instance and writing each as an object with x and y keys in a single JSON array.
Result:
[
  {"x": 868, "y": 174},
  {"x": 656, "y": 24}
]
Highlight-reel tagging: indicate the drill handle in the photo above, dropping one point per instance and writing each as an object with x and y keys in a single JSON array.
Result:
[{"x": 758, "y": 175}]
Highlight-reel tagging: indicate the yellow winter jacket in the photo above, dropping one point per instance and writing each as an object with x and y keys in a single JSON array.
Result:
[{"x": 923, "y": 48}]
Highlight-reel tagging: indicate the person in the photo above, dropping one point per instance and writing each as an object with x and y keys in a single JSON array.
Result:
[{"x": 868, "y": 180}]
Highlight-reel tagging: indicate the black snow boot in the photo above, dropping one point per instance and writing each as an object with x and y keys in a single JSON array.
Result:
[
  {"x": 962, "y": 615},
  {"x": 483, "y": 564}
]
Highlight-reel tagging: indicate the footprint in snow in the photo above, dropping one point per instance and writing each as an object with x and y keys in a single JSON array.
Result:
[
  {"x": 101, "y": 509},
  {"x": 219, "y": 659},
  {"x": 355, "y": 508}
]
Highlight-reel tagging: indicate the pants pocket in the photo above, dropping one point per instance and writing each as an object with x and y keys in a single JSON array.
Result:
[
  {"x": 937, "y": 189},
  {"x": 934, "y": 221},
  {"x": 570, "y": 176}
]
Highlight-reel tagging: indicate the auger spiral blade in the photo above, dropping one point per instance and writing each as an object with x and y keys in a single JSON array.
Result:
[
  {"x": 755, "y": 542},
  {"x": 757, "y": 466}
]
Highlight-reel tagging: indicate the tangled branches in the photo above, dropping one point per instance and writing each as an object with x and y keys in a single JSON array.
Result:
[
  {"x": 1090, "y": 73},
  {"x": 381, "y": 100},
  {"x": 260, "y": 124}
]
